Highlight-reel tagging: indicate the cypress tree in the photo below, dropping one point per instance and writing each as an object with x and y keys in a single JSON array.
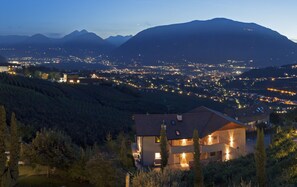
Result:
[
  {"x": 110, "y": 143},
  {"x": 2, "y": 142},
  {"x": 14, "y": 150},
  {"x": 198, "y": 177},
  {"x": 164, "y": 149},
  {"x": 123, "y": 153},
  {"x": 260, "y": 158}
]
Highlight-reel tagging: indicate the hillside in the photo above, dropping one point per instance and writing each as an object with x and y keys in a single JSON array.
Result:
[
  {"x": 212, "y": 41},
  {"x": 271, "y": 72},
  {"x": 86, "y": 113}
]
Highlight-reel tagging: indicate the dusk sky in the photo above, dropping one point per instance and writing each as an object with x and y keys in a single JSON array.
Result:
[{"x": 56, "y": 18}]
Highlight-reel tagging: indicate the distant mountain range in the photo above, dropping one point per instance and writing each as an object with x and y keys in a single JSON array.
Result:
[
  {"x": 79, "y": 43},
  {"x": 211, "y": 41},
  {"x": 118, "y": 40}
]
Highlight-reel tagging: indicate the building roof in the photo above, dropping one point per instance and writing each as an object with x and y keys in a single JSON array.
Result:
[
  {"x": 252, "y": 113},
  {"x": 205, "y": 120}
]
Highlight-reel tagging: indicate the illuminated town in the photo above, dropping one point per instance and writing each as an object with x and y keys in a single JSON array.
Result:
[{"x": 207, "y": 81}]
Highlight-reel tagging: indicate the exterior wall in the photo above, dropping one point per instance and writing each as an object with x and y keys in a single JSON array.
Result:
[
  {"x": 148, "y": 150},
  {"x": 182, "y": 142},
  {"x": 234, "y": 141},
  {"x": 183, "y": 157},
  {"x": 220, "y": 145},
  {"x": 3, "y": 69}
]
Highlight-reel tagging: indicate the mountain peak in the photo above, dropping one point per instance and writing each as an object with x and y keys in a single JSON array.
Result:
[
  {"x": 76, "y": 34},
  {"x": 210, "y": 41},
  {"x": 220, "y": 19},
  {"x": 84, "y": 31},
  {"x": 38, "y": 36}
]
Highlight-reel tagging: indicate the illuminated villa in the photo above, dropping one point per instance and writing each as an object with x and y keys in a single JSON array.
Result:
[{"x": 221, "y": 137}]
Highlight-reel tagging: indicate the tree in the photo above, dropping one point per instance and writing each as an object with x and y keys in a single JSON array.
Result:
[
  {"x": 2, "y": 142},
  {"x": 260, "y": 158},
  {"x": 101, "y": 172},
  {"x": 53, "y": 149},
  {"x": 169, "y": 177},
  {"x": 110, "y": 144},
  {"x": 14, "y": 150},
  {"x": 275, "y": 119},
  {"x": 198, "y": 177},
  {"x": 164, "y": 148},
  {"x": 123, "y": 153},
  {"x": 77, "y": 170}
]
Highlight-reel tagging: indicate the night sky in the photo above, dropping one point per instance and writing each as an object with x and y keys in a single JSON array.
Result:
[{"x": 56, "y": 18}]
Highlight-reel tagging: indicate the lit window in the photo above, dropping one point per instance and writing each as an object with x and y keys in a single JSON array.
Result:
[
  {"x": 157, "y": 156},
  {"x": 183, "y": 142},
  {"x": 209, "y": 140},
  {"x": 177, "y": 132},
  {"x": 157, "y": 139}
]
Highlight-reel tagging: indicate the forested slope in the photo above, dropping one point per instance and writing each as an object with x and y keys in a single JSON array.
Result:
[{"x": 86, "y": 112}]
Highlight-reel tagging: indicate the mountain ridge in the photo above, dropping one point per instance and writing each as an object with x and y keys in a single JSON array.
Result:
[
  {"x": 210, "y": 41},
  {"x": 118, "y": 40},
  {"x": 78, "y": 43}
]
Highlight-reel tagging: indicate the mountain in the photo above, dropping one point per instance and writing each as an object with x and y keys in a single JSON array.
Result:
[
  {"x": 83, "y": 37},
  {"x": 85, "y": 42},
  {"x": 118, "y": 40},
  {"x": 2, "y": 59},
  {"x": 38, "y": 41},
  {"x": 271, "y": 72},
  {"x": 78, "y": 43},
  {"x": 211, "y": 41},
  {"x": 75, "y": 34}
]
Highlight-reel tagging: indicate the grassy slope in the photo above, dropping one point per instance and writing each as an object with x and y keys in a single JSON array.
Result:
[{"x": 36, "y": 177}]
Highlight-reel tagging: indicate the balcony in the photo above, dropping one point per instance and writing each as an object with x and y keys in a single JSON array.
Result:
[
  {"x": 181, "y": 149},
  {"x": 181, "y": 142},
  {"x": 210, "y": 140},
  {"x": 213, "y": 148}
]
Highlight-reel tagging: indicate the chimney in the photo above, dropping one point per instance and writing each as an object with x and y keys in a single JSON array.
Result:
[
  {"x": 179, "y": 117},
  {"x": 163, "y": 125}
]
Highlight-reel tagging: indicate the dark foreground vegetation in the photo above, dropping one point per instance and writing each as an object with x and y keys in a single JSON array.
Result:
[
  {"x": 80, "y": 135},
  {"x": 87, "y": 113},
  {"x": 280, "y": 168}
]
